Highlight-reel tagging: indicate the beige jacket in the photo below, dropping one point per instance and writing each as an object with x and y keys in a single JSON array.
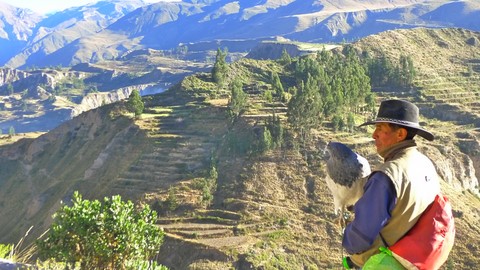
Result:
[{"x": 416, "y": 183}]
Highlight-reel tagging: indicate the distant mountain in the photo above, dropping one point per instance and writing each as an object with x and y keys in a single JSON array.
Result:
[
  {"x": 109, "y": 29},
  {"x": 16, "y": 27},
  {"x": 48, "y": 35}
]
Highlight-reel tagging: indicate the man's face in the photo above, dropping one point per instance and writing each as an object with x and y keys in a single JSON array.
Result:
[{"x": 385, "y": 136}]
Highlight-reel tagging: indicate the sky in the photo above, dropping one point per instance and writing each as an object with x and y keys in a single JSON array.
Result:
[{"x": 46, "y": 6}]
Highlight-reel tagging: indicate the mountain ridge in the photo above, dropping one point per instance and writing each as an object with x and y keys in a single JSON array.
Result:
[{"x": 140, "y": 25}]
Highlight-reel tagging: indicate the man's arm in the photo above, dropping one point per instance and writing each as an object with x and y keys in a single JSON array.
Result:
[{"x": 372, "y": 212}]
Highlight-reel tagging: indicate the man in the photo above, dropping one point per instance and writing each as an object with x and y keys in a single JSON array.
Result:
[{"x": 399, "y": 191}]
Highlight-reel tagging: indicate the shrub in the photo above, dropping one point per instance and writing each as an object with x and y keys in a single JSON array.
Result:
[
  {"x": 5, "y": 250},
  {"x": 112, "y": 235}
]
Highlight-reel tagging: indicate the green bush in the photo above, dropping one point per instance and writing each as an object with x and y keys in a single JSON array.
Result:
[
  {"x": 95, "y": 235},
  {"x": 5, "y": 250},
  {"x": 135, "y": 103}
]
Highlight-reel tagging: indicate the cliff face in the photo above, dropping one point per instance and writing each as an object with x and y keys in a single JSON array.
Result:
[
  {"x": 23, "y": 80},
  {"x": 95, "y": 100},
  {"x": 454, "y": 167},
  {"x": 8, "y": 75}
]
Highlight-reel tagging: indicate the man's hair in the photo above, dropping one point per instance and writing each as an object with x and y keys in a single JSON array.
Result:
[{"x": 411, "y": 132}]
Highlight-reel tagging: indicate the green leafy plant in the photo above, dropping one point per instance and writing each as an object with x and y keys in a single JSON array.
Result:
[
  {"x": 135, "y": 103},
  {"x": 95, "y": 235},
  {"x": 5, "y": 250},
  {"x": 220, "y": 68}
]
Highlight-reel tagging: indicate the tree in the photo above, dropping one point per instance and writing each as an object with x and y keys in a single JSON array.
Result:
[
  {"x": 305, "y": 108},
  {"x": 11, "y": 131},
  {"x": 265, "y": 143},
  {"x": 285, "y": 59},
  {"x": 135, "y": 103},
  {"x": 337, "y": 123},
  {"x": 274, "y": 125},
  {"x": 10, "y": 89},
  {"x": 220, "y": 68},
  {"x": 350, "y": 122},
  {"x": 380, "y": 70},
  {"x": 108, "y": 235},
  {"x": 407, "y": 71},
  {"x": 171, "y": 203},
  {"x": 238, "y": 99},
  {"x": 276, "y": 84}
]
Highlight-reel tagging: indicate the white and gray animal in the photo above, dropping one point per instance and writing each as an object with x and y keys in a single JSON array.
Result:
[{"x": 347, "y": 174}]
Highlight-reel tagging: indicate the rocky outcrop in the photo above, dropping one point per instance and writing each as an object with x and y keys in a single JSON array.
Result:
[
  {"x": 95, "y": 100},
  {"x": 22, "y": 80},
  {"x": 8, "y": 75},
  {"x": 454, "y": 167}
]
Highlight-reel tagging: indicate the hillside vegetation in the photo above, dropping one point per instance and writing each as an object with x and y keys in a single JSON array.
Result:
[{"x": 225, "y": 197}]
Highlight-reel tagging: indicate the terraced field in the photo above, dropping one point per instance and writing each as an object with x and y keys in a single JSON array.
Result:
[{"x": 184, "y": 141}]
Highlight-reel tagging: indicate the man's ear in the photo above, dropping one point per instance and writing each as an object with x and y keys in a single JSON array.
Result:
[{"x": 402, "y": 133}]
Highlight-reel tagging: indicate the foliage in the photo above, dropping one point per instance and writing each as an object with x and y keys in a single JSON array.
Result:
[
  {"x": 274, "y": 125},
  {"x": 239, "y": 142},
  {"x": 285, "y": 59},
  {"x": 406, "y": 71},
  {"x": 101, "y": 235},
  {"x": 171, "y": 202},
  {"x": 383, "y": 72},
  {"x": 207, "y": 185},
  {"x": 267, "y": 95},
  {"x": 304, "y": 109},
  {"x": 276, "y": 84},
  {"x": 269, "y": 136},
  {"x": 135, "y": 103},
  {"x": 268, "y": 256},
  {"x": 10, "y": 89},
  {"x": 350, "y": 122},
  {"x": 11, "y": 131},
  {"x": 238, "y": 99},
  {"x": 5, "y": 250},
  {"x": 328, "y": 85},
  {"x": 266, "y": 142},
  {"x": 338, "y": 123},
  {"x": 196, "y": 85},
  {"x": 220, "y": 68}
]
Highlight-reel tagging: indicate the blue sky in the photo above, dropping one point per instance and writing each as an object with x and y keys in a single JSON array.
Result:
[{"x": 45, "y": 6}]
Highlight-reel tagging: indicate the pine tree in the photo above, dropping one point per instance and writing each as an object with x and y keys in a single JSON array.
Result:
[
  {"x": 238, "y": 99},
  {"x": 220, "y": 68},
  {"x": 276, "y": 84},
  {"x": 305, "y": 108},
  {"x": 135, "y": 103},
  {"x": 407, "y": 71},
  {"x": 285, "y": 59}
]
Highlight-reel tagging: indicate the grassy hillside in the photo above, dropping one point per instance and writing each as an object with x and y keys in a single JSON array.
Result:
[{"x": 268, "y": 210}]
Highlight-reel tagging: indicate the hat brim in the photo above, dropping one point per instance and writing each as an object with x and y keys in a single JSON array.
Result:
[{"x": 420, "y": 131}]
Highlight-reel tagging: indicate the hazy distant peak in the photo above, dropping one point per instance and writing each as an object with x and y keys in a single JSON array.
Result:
[{"x": 19, "y": 21}]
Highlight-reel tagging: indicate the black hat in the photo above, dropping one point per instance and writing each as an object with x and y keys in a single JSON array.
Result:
[{"x": 402, "y": 113}]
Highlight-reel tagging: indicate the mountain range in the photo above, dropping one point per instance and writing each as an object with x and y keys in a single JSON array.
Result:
[{"x": 106, "y": 30}]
